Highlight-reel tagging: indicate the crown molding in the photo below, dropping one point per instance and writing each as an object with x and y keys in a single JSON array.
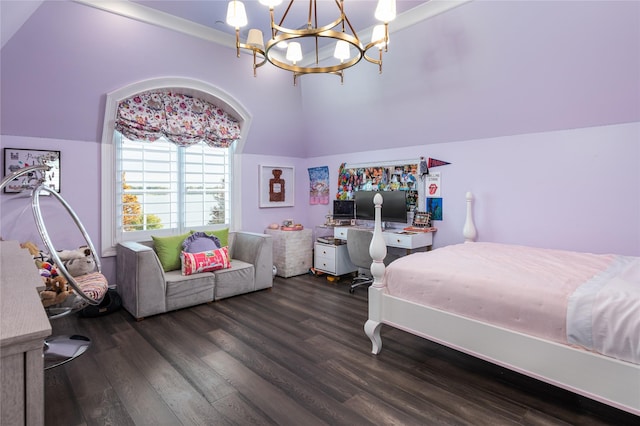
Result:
[
  {"x": 155, "y": 17},
  {"x": 404, "y": 20},
  {"x": 164, "y": 20}
]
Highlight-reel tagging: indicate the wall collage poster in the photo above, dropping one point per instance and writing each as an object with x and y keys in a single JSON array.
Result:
[{"x": 379, "y": 178}]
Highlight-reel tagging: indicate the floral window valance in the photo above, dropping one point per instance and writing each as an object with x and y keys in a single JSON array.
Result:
[{"x": 181, "y": 119}]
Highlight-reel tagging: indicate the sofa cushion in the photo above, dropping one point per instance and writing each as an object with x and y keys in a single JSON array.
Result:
[
  {"x": 188, "y": 290},
  {"x": 206, "y": 261},
  {"x": 168, "y": 250},
  {"x": 238, "y": 279}
]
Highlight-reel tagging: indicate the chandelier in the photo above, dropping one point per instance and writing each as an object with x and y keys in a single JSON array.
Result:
[{"x": 312, "y": 35}]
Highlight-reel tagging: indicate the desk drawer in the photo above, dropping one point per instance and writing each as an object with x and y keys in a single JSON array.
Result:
[
  {"x": 325, "y": 251},
  {"x": 340, "y": 233},
  {"x": 325, "y": 258},
  {"x": 397, "y": 240},
  {"x": 408, "y": 241}
]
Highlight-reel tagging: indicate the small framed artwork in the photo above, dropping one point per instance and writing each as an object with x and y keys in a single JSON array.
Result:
[
  {"x": 422, "y": 219},
  {"x": 18, "y": 158},
  {"x": 276, "y": 186},
  {"x": 434, "y": 207}
]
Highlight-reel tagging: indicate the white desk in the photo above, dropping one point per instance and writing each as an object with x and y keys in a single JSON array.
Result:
[
  {"x": 395, "y": 238},
  {"x": 334, "y": 259}
]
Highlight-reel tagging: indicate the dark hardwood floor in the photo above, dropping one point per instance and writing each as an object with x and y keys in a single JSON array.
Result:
[{"x": 293, "y": 355}]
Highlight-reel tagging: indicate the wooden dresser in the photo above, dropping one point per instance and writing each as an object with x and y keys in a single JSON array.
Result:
[{"x": 23, "y": 327}]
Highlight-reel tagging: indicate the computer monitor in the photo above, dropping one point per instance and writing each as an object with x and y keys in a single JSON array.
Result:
[
  {"x": 343, "y": 209},
  {"x": 394, "y": 206}
]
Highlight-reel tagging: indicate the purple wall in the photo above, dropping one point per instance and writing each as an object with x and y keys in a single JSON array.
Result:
[
  {"x": 571, "y": 189},
  {"x": 57, "y": 70},
  {"x": 523, "y": 98},
  {"x": 486, "y": 69}
]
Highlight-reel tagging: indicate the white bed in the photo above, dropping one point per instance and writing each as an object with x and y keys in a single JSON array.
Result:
[{"x": 544, "y": 356}]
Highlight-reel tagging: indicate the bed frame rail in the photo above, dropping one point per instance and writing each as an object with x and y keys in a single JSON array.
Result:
[{"x": 604, "y": 379}]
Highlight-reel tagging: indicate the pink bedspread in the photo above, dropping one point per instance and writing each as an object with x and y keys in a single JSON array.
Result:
[{"x": 521, "y": 288}]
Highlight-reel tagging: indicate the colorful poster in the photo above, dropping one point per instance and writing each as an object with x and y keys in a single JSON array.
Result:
[
  {"x": 319, "y": 185},
  {"x": 433, "y": 184},
  {"x": 434, "y": 206},
  {"x": 377, "y": 178}
]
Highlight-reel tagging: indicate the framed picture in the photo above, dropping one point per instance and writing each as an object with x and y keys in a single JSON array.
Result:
[
  {"x": 276, "y": 186},
  {"x": 422, "y": 219},
  {"x": 434, "y": 207},
  {"x": 18, "y": 158}
]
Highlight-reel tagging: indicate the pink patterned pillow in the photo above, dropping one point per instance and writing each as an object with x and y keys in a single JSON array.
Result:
[{"x": 206, "y": 261}]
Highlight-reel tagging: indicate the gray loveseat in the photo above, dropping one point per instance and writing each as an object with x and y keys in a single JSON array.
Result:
[{"x": 147, "y": 290}]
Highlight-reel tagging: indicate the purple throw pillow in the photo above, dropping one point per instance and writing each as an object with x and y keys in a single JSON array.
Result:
[{"x": 199, "y": 242}]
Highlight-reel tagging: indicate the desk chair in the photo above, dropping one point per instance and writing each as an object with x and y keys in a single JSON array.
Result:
[{"x": 358, "y": 242}]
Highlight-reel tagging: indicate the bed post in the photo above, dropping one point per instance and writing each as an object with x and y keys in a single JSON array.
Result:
[
  {"x": 378, "y": 251},
  {"x": 469, "y": 231}
]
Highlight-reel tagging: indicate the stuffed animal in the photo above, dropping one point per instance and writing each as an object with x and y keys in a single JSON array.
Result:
[
  {"x": 80, "y": 266},
  {"x": 55, "y": 292},
  {"x": 39, "y": 256},
  {"x": 78, "y": 262},
  {"x": 78, "y": 253},
  {"x": 48, "y": 270}
]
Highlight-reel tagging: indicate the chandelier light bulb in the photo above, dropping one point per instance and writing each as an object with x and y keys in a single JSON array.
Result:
[
  {"x": 236, "y": 14},
  {"x": 342, "y": 51},
  {"x": 386, "y": 10},
  {"x": 270, "y": 3},
  {"x": 294, "y": 52},
  {"x": 379, "y": 34}
]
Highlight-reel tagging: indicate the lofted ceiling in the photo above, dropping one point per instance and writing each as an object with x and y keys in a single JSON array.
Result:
[
  {"x": 207, "y": 19},
  {"x": 213, "y": 13},
  {"x": 296, "y": 14}
]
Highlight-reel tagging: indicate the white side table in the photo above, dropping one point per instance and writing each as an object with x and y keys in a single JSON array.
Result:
[{"x": 292, "y": 251}]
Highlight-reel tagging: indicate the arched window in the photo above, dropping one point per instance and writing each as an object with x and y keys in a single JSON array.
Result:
[{"x": 170, "y": 160}]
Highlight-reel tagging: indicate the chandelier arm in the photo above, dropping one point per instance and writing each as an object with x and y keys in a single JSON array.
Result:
[
  {"x": 238, "y": 44},
  {"x": 346, "y": 19},
  {"x": 338, "y": 73},
  {"x": 307, "y": 32},
  {"x": 315, "y": 13},
  {"x": 377, "y": 62},
  {"x": 273, "y": 31},
  {"x": 275, "y": 28},
  {"x": 340, "y": 4}
]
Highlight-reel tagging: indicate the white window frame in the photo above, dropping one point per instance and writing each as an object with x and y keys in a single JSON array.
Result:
[{"x": 196, "y": 88}]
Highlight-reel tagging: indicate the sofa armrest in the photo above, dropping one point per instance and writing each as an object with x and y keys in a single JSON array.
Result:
[
  {"x": 257, "y": 249},
  {"x": 140, "y": 279}
]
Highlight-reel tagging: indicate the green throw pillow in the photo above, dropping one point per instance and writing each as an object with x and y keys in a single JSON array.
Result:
[
  {"x": 222, "y": 234},
  {"x": 168, "y": 250}
]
